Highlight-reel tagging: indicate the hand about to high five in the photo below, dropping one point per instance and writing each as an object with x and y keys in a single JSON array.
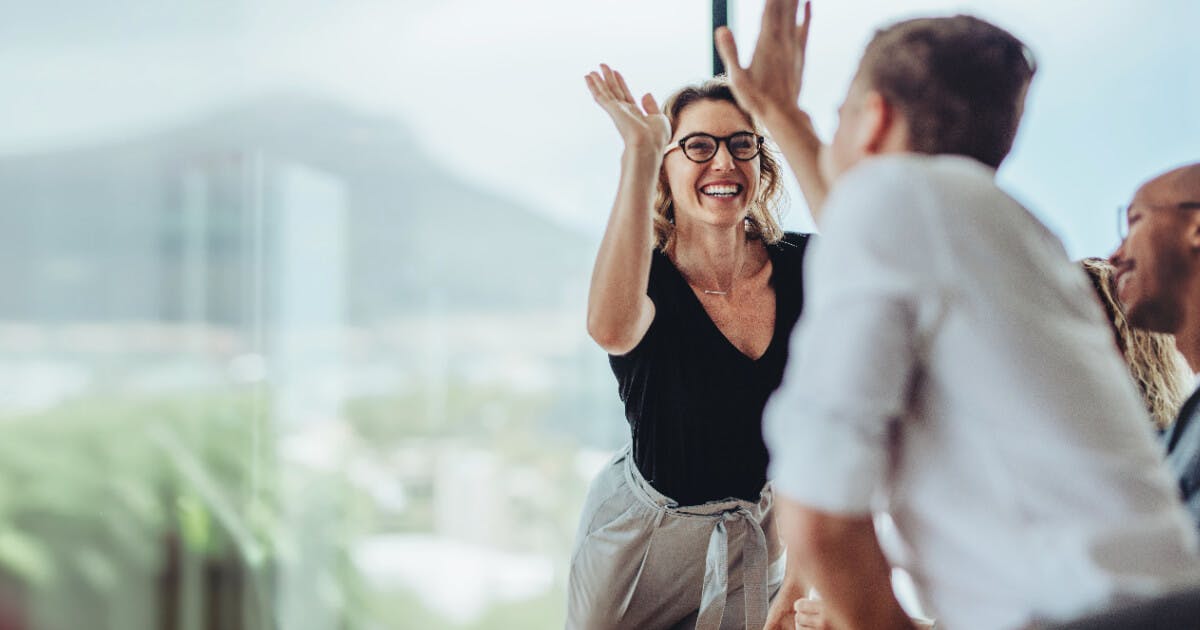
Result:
[
  {"x": 810, "y": 614},
  {"x": 771, "y": 84},
  {"x": 642, "y": 128},
  {"x": 770, "y": 90}
]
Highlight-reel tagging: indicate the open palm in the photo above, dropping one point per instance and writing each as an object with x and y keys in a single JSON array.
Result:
[
  {"x": 644, "y": 127},
  {"x": 776, "y": 71}
]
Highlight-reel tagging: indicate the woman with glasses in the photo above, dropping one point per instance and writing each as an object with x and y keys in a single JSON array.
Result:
[{"x": 694, "y": 294}]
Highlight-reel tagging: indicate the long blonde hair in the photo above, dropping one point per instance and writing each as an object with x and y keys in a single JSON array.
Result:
[
  {"x": 763, "y": 219},
  {"x": 1154, "y": 363}
]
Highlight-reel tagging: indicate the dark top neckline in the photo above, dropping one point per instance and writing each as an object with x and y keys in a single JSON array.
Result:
[
  {"x": 693, "y": 400},
  {"x": 773, "y": 254}
]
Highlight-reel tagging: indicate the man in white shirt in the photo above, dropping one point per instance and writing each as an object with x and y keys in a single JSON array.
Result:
[
  {"x": 1158, "y": 283},
  {"x": 952, "y": 366}
]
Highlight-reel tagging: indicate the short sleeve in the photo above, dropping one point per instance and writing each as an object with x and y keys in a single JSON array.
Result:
[{"x": 869, "y": 279}]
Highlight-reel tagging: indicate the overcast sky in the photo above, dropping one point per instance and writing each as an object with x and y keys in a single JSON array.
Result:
[{"x": 495, "y": 91}]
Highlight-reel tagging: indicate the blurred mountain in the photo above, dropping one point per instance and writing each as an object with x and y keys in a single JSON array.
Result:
[{"x": 135, "y": 229}]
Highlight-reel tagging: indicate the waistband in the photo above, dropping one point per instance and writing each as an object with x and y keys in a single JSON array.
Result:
[{"x": 723, "y": 514}]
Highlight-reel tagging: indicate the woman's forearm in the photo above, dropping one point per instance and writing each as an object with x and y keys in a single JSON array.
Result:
[{"x": 619, "y": 312}]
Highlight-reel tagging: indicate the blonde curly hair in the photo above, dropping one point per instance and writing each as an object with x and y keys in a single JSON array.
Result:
[
  {"x": 1161, "y": 374},
  {"x": 763, "y": 220}
]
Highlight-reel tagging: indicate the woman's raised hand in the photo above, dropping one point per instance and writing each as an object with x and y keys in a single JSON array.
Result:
[{"x": 642, "y": 128}]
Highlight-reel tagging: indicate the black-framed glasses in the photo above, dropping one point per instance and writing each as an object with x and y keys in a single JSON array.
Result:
[
  {"x": 1123, "y": 213},
  {"x": 701, "y": 147}
]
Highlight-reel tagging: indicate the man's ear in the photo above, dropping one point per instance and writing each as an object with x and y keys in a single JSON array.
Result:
[
  {"x": 876, "y": 124},
  {"x": 1192, "y": 231}
]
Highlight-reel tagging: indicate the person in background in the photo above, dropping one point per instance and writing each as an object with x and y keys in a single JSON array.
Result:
[
  {"x": 1158, "y": 283},
  {"x": 1154, "y": 363},
  {"x": 694, "y": 294}
]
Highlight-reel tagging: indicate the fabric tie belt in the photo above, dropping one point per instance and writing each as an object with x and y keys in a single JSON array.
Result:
[
  {"x": 724, "y": 518},
  {"x": 716, "y": 571}
]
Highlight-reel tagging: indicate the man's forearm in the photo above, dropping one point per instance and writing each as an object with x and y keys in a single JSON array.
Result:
[
  {"x": 793, "y": 579},
  {"x": 781, "y": 616},
  {"x": 793, "y": 131},
  {"x": 841, "y": 558}
]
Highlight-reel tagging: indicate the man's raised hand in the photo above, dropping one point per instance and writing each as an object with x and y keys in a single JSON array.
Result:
[{"x": 771, "y": 83}]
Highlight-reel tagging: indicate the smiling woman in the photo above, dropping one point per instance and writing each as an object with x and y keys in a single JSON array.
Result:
[
  {"x": 693, "y": 295},
  {"x": 299, "y": 284},
  {"x": 752, "y": 186}
]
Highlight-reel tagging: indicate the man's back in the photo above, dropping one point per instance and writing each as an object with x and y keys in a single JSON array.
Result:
[{"x": 954, "y": 363}]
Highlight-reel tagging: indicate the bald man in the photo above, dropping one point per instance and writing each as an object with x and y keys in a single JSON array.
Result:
[{"x": 1158, "y": 282}]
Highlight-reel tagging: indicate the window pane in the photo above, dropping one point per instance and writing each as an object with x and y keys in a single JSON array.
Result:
[
  {"x": 293, "y": 334},
  {"x": 293, "y": 328}
]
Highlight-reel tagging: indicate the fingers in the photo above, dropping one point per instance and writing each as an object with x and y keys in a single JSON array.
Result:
[
  {"x": 608, "y": 74},
  {"x": 802, "y": 28},
  {"x": 616, "y": 84},
  {"x": 625, "y": 93},
  {"x": 802, "y": 42},
  {"x": 650, "y": 105},
  {"x": 599, "y": 89},
  {"x": 780, "y": 617},
  {"x": 805, "y": 606},
  {"x": 590, "y": 79},
  {"x": 778, "y": 18},
  {"x": 788, "y": 20},
  {"x": 608, "y": 85},
  {"x": 727, "y": 50},
  {"x": 771, "y": 18},
  {"x": 809, "y": 614}
]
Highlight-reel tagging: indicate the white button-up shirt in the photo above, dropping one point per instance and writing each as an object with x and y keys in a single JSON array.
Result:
[{"x": 953, "y": 367}]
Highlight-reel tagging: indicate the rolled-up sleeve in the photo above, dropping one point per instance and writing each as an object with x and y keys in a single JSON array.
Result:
[{"x": 855, "y": 350}]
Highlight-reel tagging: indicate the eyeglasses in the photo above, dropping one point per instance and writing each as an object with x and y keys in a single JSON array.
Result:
[
  {"x": 702, "y": 147},
  {"x": 1123, "y": 213}
]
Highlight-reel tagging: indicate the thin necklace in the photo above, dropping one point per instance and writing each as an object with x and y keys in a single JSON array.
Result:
[
  {"x": 714, "y": 292},
  {"x": 726, "y": 291}
]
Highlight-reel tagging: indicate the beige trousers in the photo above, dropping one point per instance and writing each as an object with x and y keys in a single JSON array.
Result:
[{"x": 640, "y": 561}]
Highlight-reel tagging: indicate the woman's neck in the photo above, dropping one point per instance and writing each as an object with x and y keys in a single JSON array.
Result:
[{"x": 712, "y": 259}]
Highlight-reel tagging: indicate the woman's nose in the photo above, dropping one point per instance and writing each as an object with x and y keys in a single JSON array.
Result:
[{"x": 723, "y": 159}]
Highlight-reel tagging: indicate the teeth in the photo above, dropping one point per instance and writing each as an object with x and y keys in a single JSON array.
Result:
[{"x": 721, "y": 190}]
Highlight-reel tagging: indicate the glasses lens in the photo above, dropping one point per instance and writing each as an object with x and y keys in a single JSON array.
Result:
[
  {"x": 700, "y": 148},
  {"x": 1122, "y": 222},
  {"x": 743, "y": 146}
]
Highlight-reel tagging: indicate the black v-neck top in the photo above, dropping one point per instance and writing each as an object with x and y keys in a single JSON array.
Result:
[{"x": 693, "y": 400}]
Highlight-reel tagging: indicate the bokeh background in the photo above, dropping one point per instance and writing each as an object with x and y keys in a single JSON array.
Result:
[{"x": 292, "y": 328}]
